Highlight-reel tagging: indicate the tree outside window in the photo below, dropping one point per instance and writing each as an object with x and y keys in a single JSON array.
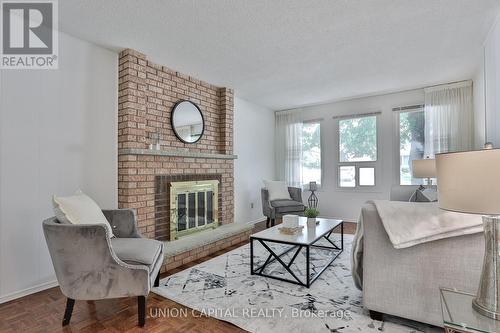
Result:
[
  {"x": 311, "y": 152},
  {"x": 411, "y": 144},
  {"x": 357, "y": 151},
  {"x": 358, "y": 139}
]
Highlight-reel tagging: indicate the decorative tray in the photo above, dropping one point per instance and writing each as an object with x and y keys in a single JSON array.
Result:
[{"x": 291, "y": 231}]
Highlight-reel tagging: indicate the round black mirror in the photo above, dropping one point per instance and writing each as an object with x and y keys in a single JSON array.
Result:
[{"x": 187, "y": 122}]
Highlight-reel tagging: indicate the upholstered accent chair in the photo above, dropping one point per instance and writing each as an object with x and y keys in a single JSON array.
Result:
[
  {"x": 89, "y": 265},
  {"x": 277, "y": 208}
]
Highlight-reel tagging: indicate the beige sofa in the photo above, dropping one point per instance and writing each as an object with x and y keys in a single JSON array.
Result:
[{"x": 405, "y": 282}]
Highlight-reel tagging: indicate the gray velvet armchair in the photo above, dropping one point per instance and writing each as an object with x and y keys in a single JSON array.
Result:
[
  {"x": 89, "y": 265},
  {"x": 277, "y": 208}
]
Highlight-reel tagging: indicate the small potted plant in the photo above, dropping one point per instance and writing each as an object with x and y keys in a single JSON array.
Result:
[{"x": 311, "y": 214}]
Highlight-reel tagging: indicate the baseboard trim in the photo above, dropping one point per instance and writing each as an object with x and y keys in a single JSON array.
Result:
[{"x": 28, "y": 291}]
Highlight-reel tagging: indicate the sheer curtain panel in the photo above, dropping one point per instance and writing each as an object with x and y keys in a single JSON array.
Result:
[
  {"x": 288, "y": 147},
  {"x": 449, "y": 118}
]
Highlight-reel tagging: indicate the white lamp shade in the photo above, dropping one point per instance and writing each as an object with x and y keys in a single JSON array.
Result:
[
  {"x": 424, "y": 168},
  {"x": 469, "y": 182}
]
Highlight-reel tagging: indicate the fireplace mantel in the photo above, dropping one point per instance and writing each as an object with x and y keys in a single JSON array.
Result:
[{"x": 175, "y": 153}]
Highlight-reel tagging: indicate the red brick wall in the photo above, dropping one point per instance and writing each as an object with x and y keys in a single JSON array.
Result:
[{"x": 147, "y": 93}]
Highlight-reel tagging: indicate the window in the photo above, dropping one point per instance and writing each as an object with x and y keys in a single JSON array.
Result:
[
  {"x": 367, "y": 176},
  {"x": 357, "y": 151},
  {"x": 411, "y": 121},
  {"x": 311, "y": 152},
  {"x": 358, "y": 139},
  {"x": 347, "y": 176}
]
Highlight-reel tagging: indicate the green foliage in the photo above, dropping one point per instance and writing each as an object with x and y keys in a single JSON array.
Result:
[
  {"x": 311, "y": 146},
  {"x": 358, "y": 139},
  {"x": 411, "y": 143},
  {"x": 311, "y": 212},
  {"x": 411, "y": 127}
]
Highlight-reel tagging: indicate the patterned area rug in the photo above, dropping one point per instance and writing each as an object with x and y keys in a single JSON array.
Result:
[{"x": 223, "y": 288}]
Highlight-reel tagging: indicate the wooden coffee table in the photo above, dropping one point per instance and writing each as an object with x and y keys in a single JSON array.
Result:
[{"x": 306, "y": 239}]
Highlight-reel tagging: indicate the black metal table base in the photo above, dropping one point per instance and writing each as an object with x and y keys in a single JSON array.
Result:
[{"x": 273, "y": 256}]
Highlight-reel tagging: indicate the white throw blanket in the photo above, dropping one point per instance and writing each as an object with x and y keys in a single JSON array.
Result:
[{"x": 411, "y": 223}]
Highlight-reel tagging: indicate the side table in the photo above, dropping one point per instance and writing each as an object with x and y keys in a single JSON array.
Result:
[{"x": 460, "y": 317}]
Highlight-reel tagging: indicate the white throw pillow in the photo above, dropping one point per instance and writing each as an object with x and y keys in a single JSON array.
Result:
[
  {"x": 277, "y": 190},
  {"x": 79, "y": 209}
]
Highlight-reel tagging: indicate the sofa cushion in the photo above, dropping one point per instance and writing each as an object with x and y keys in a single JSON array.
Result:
[
  {"x": 137, "y": 251},
  {"x": 79, "y": 209},
  {"x": 287, "y": 206}
]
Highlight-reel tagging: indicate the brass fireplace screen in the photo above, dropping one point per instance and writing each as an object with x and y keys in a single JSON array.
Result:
[{"x": 193, "y": 206}]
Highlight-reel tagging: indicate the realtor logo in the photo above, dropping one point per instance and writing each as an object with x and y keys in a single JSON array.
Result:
[{"x": 29, "y": 34}]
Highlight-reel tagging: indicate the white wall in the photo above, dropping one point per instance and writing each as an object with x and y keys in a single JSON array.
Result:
[
  {"x": 346, "y": 203},
  {"x": 486, "y": 97},
  {"x": 254, "y": 145},
  {"x": 492, "y": 82},
  {"x": 478, "y": 102},
  {"x": 58, "y": 133}
]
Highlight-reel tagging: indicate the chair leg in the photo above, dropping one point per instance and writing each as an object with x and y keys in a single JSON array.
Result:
[
  {"x": 141, "y": 310},
  {"x": 69, "y": 310},
  {"x": 157, "y": 280},
  {"x": 268, "y": 220},
  {"x": 375, "y": 315}
]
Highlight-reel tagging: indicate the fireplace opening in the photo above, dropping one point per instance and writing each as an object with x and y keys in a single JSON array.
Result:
[{"x": 193, "y": 207}]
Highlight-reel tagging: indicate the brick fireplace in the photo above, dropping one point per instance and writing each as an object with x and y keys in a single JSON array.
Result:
[
  {"x": 163, "y": 209},
  {"x": 147, "y": 93}
]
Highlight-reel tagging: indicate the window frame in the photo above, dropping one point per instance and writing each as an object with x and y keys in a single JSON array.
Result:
[
  {"x": 369, "y": 164},
  {"x": 305, "y": 185},
  {"x": 397, "y": 134}
]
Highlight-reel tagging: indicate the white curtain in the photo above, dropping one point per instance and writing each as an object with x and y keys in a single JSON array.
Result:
[
  {"x": 449, "y": 118},
  {"x": 288, "y": 147}
]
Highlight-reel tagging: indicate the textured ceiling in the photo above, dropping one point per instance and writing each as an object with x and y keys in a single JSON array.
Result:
[{"x": 284, "y": 54}]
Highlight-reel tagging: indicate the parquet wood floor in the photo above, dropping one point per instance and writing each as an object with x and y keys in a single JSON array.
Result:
[{"x": 43, "y": 311}]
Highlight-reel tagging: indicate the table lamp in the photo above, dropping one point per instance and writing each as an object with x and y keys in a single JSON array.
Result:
[
  {"x": 425, "y": 168},
  {"x": 469, "y": 182}
]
